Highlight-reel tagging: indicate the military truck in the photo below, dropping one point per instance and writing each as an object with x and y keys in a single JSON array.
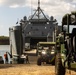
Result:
[
  {"x": 66, "y": 46},
  {"x": 46, "y": 52}
]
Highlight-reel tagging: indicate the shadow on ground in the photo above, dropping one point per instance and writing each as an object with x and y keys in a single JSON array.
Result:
[{"x": 2, "y": 66}]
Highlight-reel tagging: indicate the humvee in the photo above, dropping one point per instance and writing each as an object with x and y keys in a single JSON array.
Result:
[
  {"x": 66, "y": 46},
  {"x": 46, "y": 52}
]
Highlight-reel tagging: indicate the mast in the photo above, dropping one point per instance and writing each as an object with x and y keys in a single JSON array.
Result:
[
  {"x": 38, "y": 8},
  {"x": 38, "y": 3},
  {"x": 38, "y": 12}
]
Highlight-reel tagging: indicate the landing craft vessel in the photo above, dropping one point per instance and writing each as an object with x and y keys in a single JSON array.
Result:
[{"x": 37, "y": 27}]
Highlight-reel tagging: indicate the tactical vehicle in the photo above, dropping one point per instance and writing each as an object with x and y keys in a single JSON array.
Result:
[
  {"x": 46, "y": 52},
  {"x": 66, "y": 46}
]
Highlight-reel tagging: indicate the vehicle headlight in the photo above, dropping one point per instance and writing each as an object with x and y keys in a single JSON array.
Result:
[
  {"x": 39, "y": 51},
  {"x": 52, "y": 52},
  {"x": 43, "y": 52}
]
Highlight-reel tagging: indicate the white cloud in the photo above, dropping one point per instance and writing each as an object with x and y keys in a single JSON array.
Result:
[
  {"x": 68, "y": 0},
  {"x": 74, "y": 1},
  {"x": 51, "y": 7},
  {"x": 1, "y": 1},
  {"x": 12, "y": 2},
  {"x": 14, "y": 6}
]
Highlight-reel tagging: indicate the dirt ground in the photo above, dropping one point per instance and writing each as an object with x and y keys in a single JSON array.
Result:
[{"x": 29, "y": 69}]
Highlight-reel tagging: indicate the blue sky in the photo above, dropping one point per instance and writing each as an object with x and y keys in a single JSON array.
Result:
[
  {"x": 11, "y": 10},
  {"x": 9, "y": 17}
]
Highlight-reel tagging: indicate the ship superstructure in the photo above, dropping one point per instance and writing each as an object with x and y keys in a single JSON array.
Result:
[{"x": 37, "y": 28}]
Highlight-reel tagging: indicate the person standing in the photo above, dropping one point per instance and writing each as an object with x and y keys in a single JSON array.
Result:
[
  {"x": 10, "y": 55},
  {"x": 6, "y": 58},
  {"x": 23, "y": 58},
  {"x": 27, "y": 59}
]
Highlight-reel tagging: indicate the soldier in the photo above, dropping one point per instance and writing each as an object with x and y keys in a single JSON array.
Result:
[
  {"x": 27, "y": 59},
  {"x": 10, "y": 55},
  {"x": 23, "y": 58},
  {"x": 6, "y": 58}
]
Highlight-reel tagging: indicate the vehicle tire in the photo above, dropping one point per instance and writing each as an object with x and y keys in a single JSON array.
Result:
[
  {"x": 53, "y": 63},
  {"x": 59, "y": 69},
  {"x": 74, "y": 47},
  {"x": 47, "y": 62},
  {"x": 37, "y": 52},
  {"x": 39, "y": 61},
  {"x": 2, "y": 62},
  {"x": 74, "y": 44}
]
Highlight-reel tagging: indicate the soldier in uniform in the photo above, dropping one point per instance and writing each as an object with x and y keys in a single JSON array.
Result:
[
  {"x": 27, "y": 59},
  {"x": 6, "y": 58}
]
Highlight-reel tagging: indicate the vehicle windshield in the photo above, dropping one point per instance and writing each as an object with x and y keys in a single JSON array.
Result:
[
  {"x": 40, "y": 47},
  {"x": 45, "y": 48}
]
